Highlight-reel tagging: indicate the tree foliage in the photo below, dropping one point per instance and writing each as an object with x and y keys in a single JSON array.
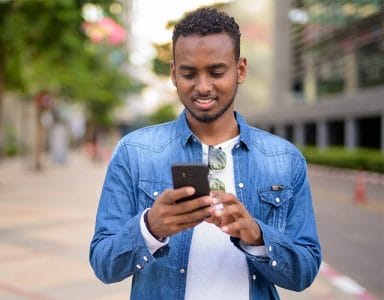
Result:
[
  {"x": 163, "y": 114},
  {"x": 43, "y": 48}
]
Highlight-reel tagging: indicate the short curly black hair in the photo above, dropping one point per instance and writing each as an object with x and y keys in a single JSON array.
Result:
[{"x": 208, "y": 20}]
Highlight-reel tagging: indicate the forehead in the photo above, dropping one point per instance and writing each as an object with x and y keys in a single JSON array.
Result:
[{"x": 211, "y": 46}]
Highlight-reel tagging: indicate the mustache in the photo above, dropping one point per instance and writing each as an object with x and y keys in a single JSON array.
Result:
[{"x": 203, "y": 97}]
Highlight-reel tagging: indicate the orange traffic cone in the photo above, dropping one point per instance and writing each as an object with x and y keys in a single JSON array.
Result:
[{"x": 360, "y": 191}]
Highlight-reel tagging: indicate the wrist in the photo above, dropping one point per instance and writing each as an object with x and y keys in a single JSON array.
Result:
[{"x": 160, "y": 239}]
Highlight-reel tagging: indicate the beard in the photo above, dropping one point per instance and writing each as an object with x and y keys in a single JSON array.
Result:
[{"x": 207, "y": 117}]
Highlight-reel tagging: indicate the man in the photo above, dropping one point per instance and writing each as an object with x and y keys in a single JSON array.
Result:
[{"x": 237, "y": 243}]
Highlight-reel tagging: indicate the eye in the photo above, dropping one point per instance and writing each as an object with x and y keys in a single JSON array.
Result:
[
  {"x": 188, "y": 75},
  {"x": 217, "y": 74}
]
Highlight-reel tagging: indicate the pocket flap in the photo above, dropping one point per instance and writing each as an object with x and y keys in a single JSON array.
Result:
[
  {"x": 153, "y": 189},
  {"x": 276, "y": 198}
]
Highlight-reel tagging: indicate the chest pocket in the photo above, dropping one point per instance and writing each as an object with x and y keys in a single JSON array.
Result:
[
  {"x": 148, "y": 192},
  {"x": 274, "y": 206}
]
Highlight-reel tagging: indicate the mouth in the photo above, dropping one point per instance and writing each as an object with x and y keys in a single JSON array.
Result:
[{"x": 204, "y": 103}]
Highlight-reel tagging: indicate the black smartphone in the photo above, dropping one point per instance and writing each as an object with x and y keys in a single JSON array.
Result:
[{"x": 191, "y": 174}]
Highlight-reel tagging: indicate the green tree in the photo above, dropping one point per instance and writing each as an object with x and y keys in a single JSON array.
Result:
[
  {"x": 160, "y": 63},
  {"x": 163, "y": 114},
  {"x": 43, "y": 48}
]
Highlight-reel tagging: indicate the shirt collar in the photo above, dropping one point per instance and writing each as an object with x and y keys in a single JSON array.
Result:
[{"x": 186, "y": 134}]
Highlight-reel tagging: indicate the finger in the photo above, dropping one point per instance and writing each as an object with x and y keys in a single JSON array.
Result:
[
  {"x": 194, "y": 204},
  {"x": 234, "y": 212},
  {"x": 215, "y": 217},
  {"x": 225, "y": 198},
  {"x": 177, "y": 194},
  {"x": 185, "y": 226},
  {"x": 214, "y": 220},
  {"x": 232, "y": 227},
  {"x": 193, "y": 216}
]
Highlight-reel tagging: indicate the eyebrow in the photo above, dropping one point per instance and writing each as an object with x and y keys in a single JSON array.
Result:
[{"x": 213, "y": 66}]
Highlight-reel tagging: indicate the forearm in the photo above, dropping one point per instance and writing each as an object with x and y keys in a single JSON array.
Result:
[
  {"x": 115, "y": 256},
  {"x": 290, "y": 263}
]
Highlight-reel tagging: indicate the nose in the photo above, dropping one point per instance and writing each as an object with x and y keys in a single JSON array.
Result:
[{"x": 203, "y": 85}]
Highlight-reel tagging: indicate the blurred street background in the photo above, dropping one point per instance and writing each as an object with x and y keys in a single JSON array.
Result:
[{"x": 76, "y": 75}]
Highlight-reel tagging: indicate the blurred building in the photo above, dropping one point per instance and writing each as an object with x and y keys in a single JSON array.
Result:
[{"x": 326, "y": 72}]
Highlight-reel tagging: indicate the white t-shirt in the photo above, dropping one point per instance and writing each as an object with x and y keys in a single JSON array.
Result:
[{"x": 217, "y": 270}]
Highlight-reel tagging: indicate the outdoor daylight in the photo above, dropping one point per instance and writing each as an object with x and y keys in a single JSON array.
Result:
[{"x": 197, "y": 150}]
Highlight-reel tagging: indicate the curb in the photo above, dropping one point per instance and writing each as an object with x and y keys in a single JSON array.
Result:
[
  {"x": 344, "y": 283},
  {"x": 347, "y": 174}
]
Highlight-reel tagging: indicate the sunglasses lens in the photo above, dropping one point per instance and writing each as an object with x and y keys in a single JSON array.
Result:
[
  {"x": 216, "y": 184},
  {"x": 217, "y": 158}
]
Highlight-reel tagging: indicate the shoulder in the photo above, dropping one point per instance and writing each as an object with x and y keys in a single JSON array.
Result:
[
  {"x": 151, "y": 137},
  {"x": 270, "y": 144}
]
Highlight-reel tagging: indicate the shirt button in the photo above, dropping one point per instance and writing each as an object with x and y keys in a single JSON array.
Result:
[
  {"x": 138, "y": 266},
  {"x": 182, "y": 270},
  {"x": 277, "y": 199},
  {"x": 237, "y": 146},
  {"x": 241, "y": 185},
  {"x": 270, "y": 248},
  {"x": 274, "y": 263},
  {"x": 254, "y": 277},
  {"x": 155, "y": 193},
  {"x": 145, "y": 258}
]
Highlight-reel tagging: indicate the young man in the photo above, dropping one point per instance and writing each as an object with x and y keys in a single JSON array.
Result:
[{"x": 257, "y": 231}]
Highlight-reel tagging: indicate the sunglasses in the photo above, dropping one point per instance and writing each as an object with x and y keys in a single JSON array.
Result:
[{"x": 217, "y": 160}]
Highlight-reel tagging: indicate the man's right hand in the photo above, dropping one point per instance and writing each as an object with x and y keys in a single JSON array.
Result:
[{"x": 166, "y": 217}]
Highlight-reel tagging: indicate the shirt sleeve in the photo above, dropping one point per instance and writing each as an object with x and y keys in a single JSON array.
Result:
[
  {"x": 152, "y": 243},
  {"x": 260, "y": 251}
]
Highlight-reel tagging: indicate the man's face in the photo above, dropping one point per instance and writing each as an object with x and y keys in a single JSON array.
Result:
[{"x": 206, "y": 74}]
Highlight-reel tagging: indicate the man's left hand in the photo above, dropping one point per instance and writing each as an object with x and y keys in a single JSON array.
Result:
[{"x": 234, "y": 219}]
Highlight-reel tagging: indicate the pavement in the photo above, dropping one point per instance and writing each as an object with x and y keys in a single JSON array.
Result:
[{"x": 46, "y": 224}]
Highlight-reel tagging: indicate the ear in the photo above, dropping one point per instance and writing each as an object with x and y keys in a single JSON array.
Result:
[
  {"x": 173, "y": 72},
  {"x": 241, "y": 70}
]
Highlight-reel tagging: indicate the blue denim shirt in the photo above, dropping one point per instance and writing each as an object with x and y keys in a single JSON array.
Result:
[{"x": 271, "y": 181}]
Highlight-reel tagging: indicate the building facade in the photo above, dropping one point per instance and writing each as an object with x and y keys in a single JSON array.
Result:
[{"x": 327, "y": 80}]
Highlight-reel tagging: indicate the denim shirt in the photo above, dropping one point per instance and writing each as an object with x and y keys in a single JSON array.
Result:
[{"x": 271, "y": 181}]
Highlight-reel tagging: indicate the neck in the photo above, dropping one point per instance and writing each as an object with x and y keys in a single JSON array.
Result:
[{"x": 213, "y": 133}]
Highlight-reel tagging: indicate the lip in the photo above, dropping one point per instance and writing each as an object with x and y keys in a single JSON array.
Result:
[{"x": 204, "y": 103}]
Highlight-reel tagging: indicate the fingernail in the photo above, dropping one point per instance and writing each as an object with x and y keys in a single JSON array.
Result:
[
  {"x": 215, "y": 200},
  {"x": 218, "y": 213},
  {"x": 224, "y": 228},
  {"x": 219, "y": 206},
  {"x": 190, "y": 191}
]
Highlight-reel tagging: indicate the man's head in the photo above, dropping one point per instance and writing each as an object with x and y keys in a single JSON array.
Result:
[
  {"x": 205, "y": 21},
  {"x": 207, "y": 67}
]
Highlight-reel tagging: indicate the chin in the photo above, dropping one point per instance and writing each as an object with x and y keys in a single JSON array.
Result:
[{"x": 204, "y": 117}]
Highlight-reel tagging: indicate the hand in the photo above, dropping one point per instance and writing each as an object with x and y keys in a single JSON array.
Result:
[
  {"x": 166, "y": 217},
  {"x": 235, "y": 220}
]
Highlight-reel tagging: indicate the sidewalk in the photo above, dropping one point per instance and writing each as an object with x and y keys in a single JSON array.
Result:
[{"x": 46, "y": 223}]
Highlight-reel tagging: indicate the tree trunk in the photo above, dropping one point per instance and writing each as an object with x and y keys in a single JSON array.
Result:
[{"x": 2, "y": 134}]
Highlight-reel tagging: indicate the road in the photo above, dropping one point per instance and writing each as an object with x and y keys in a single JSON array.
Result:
[
  {"x": 47, "y": 221},
  {"x": 351, "y": 233}
]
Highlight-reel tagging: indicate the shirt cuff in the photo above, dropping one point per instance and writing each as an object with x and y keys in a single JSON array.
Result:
[
  {"x": 152, "y": 243},
  {"x": 260, "y": 251}
]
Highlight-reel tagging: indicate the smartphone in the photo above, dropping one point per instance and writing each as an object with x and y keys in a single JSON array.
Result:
[{"x": 191, "y": 174}]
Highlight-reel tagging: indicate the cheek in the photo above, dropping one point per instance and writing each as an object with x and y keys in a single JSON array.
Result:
[{"x": 183, "y": 87}]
